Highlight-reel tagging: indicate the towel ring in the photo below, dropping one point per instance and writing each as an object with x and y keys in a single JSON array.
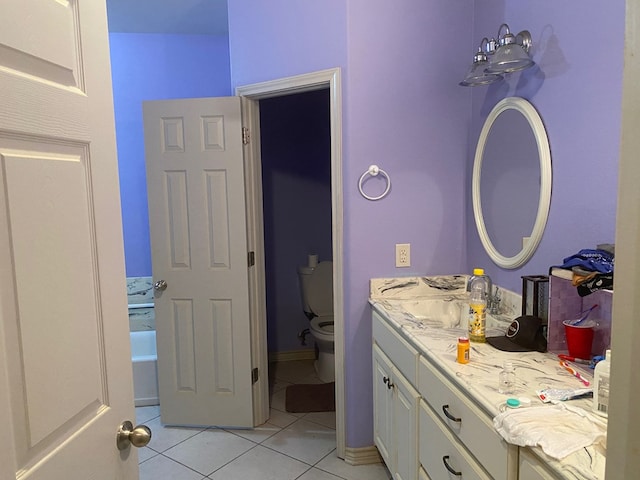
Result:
[{"x": 374, "y": 170}]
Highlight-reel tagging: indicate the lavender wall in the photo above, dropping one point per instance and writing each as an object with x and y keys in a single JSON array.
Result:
[
  {"x": 577, "y": 91},
  {"x": 296, "y": 177},
  {"x": 402, "y": 110},
  {"x": 155, "y": 67}
]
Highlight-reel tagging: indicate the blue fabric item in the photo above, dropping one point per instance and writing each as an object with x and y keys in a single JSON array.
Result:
[{"x": 594, "y": 260}]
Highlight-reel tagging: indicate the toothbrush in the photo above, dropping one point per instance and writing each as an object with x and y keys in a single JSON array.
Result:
[{"x": 575, "y": 373}]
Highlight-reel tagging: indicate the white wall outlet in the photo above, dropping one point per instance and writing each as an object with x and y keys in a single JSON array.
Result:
[{"x": 403, "y": 254}]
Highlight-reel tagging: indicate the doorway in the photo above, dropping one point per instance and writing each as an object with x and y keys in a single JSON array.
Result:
[{"x": 326, "y": 79}]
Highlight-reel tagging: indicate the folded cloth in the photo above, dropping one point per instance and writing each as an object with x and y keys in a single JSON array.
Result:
[
  {"x": 596, "y": 260},
  {"x": 559, "y": 430}
]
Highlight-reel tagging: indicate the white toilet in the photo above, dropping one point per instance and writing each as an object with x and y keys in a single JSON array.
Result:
[{"x": 316, "y": 285}]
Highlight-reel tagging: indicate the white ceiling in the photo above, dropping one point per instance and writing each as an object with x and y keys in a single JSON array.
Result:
[{"x": 197, "y": 17}]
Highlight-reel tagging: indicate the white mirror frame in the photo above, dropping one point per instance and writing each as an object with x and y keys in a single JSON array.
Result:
[{"x": 544, "y": 154}]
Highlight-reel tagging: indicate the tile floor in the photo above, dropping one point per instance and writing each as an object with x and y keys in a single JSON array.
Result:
[{"x": 289, "y": 446}]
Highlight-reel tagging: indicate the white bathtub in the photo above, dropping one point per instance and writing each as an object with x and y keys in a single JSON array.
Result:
[{"x": 145, "y": 368}]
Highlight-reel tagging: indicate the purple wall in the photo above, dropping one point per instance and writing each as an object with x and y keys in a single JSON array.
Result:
[
  {"x": 295, "y": 146},
  {"x": 155, "y": 67},
  {"x": 403, "y": 111},
  {"x": 577, "y": 92}
]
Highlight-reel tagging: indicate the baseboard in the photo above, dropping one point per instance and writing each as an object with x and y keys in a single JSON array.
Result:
[
  {"x": 362, "y": 456},
  {"x": 306, "y": 354}
]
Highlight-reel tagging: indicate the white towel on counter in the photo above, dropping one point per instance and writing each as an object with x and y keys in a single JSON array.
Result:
[{"x": 559, "y": 430}]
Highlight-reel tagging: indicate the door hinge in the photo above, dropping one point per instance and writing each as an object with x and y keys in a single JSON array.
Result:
[
  {"x": 251, "y": 259},
  {"x": 254, "y": 375},
  {"x": 245, "y": 136}
]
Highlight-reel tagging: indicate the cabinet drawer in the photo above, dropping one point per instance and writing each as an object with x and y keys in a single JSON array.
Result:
[
  {"x": 472, "y": 426},
  {"x": 403, "y": 355},
  {"x": 438, "y": 448}
]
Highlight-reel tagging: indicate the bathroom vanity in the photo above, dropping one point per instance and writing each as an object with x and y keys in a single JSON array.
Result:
[{"x": 433, "y": 417}]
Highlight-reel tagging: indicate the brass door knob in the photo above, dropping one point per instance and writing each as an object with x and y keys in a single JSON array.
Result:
[
  {"x": 128, "y": 435},
  {"x": 160, "y": 286}
]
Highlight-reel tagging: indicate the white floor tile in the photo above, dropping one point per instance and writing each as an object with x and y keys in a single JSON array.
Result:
[
  {"x": 306, "y": 441},
  {"x": 328, "y": 419},
  {"x": 293, "y": 371},
  {"x": 207, "y": 451},
  {"x": 163, "y": 438},
  {"x": 281, "y": 419},
  {"x": 257, "y": 434},
  {"x": 332, "y": 464},
  {"x": 145, "y": 414},
  {"x": 163, "y": 468},
  {"x": 145, "y": 454},
  {"x": 278, "y": 385},
  {"x": 315, "y": 474},
  {"x": 278, "y": 403},
  {"x": 263, "y": 464}
]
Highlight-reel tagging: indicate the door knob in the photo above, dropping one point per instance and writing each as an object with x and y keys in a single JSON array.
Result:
[
  {"x": 160, "y": 286},
  {"x": 127, "y": 435}
]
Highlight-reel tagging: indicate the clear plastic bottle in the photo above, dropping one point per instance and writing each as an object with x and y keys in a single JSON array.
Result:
[
  {"x": 601, "y": 385},
  {"x": 507, "y": 378},
  {"x": 479, "y": 288}
]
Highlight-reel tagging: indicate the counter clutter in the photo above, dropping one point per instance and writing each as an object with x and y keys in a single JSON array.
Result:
[{"x": 407, "y": 305}]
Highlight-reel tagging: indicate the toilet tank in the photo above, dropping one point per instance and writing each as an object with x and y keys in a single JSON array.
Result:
[{"x": 304, "y": 274}]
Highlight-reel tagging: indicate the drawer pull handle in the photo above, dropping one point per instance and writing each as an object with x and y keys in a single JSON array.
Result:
[
  {"x": 445, "y": 409},
  {"x": 448, "y": 467},
  {"x": 387, "y": 380}
]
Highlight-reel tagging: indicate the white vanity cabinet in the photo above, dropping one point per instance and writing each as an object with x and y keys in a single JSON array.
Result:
[
  {"x": 395, "y": 401},
  {"x": 456, "y": 435},
  {"x": 425, "y": 427},
  {"x": 532, "y": 468}
]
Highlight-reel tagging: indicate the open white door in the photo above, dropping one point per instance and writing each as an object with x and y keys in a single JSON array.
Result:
[
  {"x": 197, "y": 212},
  {"x": 65, "y": 364}
]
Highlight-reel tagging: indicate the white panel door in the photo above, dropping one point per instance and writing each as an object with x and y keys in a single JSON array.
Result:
[
  {"x": 65, "y": 364},
  {"x": 197, "y": 217}
]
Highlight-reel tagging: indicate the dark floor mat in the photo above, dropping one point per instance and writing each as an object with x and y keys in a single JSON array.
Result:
[{"x": 310, "y": 398}]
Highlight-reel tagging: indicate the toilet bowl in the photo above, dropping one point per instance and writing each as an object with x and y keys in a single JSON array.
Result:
[{"x": 317, "y": 296}]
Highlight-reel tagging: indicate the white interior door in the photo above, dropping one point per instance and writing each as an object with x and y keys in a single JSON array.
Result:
[
  {"x": 195, "y": 182},
  {"x": 65, "y": 364}
]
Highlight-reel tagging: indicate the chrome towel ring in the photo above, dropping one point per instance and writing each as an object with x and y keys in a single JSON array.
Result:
[{"x": 374, "y": 170}]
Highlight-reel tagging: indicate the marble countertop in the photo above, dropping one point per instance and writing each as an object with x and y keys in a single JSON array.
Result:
[{"x": 436, "y": 339}]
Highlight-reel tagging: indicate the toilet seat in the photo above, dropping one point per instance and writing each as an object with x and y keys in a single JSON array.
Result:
[
  {"x": 322, "y": 328},
  {"x": 320, "y": 291}
]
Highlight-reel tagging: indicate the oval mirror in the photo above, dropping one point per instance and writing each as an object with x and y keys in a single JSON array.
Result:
[{"x": 511, "y": 186}]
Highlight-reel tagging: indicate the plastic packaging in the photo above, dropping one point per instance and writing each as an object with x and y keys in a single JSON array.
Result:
[
  {"x": 479, "y": 287},
  {"x": 555, "y": 395},
  {"x": 601, "y": 385},
  {"x": 463, "y": 350},
  {"x": 507, "y": 378}
]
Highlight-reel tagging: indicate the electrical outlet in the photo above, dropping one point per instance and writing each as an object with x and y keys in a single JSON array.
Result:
[{"x": 403, "y": 254}]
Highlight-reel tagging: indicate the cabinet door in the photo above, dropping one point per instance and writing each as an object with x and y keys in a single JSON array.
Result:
[
  {"x": 383, "y": 407},
  {"x": 531, "y": 468},
  {"x": 405, "y": 421}
]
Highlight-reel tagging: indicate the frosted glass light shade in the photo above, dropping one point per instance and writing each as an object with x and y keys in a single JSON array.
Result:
[{"x": 509, "y": 58}]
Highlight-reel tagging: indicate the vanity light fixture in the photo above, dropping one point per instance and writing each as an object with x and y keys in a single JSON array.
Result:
[
  {"x": 477, "y": 74},
  {"x": 510, "y": 53}
]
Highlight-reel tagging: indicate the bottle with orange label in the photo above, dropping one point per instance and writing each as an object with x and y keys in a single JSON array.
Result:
[
  {"x": 463, "y": 350},
  {"x": 479, "y": 288}
]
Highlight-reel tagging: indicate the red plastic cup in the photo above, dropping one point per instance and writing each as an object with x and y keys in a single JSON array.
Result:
[{"x": 579, "y": 339}]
